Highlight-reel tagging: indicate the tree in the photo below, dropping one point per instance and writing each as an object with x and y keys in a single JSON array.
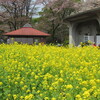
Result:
[
  {"x": 88, "y": 5},
  {"x": 17, "y": 12},
  {"x": 55, "y": 11},
  {"x": 53, "y": 15}
]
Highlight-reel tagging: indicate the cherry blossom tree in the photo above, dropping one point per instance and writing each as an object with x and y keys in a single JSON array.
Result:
[
  {"x": 17, "y": 12},
  {"x": 55, "y": 11},
  {"x": 88, "y": 5},
  {"x": 52, "y": 18}
]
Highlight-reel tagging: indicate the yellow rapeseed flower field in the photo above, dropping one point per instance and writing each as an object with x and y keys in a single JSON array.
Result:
[{"x": 31, "y": 72}]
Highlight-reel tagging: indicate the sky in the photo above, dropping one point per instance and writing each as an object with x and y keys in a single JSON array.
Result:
[{"x": 39, "y": 8}]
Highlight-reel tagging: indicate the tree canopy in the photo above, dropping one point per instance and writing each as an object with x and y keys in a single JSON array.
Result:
[{"x": 17, "y": 12}]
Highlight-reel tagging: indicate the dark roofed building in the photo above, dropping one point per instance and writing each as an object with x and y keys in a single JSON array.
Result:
[{"x": 26, "y": 35}]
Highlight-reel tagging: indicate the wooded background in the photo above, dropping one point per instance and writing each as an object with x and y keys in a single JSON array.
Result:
[{"x": 15, "y": 13}]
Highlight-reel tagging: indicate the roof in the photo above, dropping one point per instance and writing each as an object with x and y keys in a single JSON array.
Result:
[
  {"x": 83, "y": 15},
  {"x": 26, "y": 31}
]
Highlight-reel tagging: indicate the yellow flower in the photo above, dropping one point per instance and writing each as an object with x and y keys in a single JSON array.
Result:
[
  {"x": 78, "y": 96},
  {"x": 95, "y": 94},
  {"x": 60, "y": 80},
  {"x": 92, "y": 82},
  {"x": 36, "y": 77},
  {"x": 84, "y": 83},
  {"x": 51, "y": 88},
  {"x": 46, "y": 98},
  {"x": 86, "y": 94},
  {"x": 61, "y": 71},
  {"x": 21, "y": 82},
  {"x": 26, "y": 97},
  {"x": 1, "y": 83},
  {"x": 27, "y": 91},
  {"x": 16, "y": 83},
  {"x": 38, "y": 91},
  {"x": 33, "y": 88},
  {"x": 84, "y": 89},
  {"x": 29, "y": 97},
  {"x": 15, "y": 96},
  {"x": 41, "y": 95},
  {"x": 68, "y": 94},
  {"x": 69, "y": 86},
  {"x": 25, "y": 86},
  {"x": 21, "y": 97},
  {"x": 45, "y": 70},
  {"x": 9, "y": 95},
  {"x": 53, "y": 99}
]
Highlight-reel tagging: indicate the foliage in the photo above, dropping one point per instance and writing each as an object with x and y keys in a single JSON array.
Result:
[
  {"x": 53, "y": 18},
  {"x": 49, "y": 73},
  {"x": 55, "y": 12},
  {"x": 35, "y": 20},
  {"x": 88, "y": 5},
  {"x": 88, "y": 43},
  {"x": 16, "y": 13}
]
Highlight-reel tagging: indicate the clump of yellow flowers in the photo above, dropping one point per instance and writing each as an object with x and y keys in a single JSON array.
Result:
[{"x": 44, "y": 72}]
